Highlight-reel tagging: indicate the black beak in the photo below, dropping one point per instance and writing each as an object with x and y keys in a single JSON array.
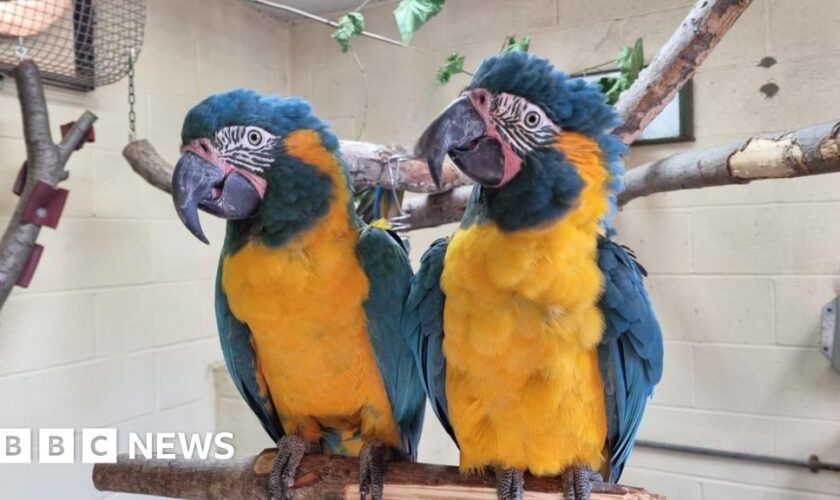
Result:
[
  {"x": 459, "y": 126},
  {"x": 197, "y": 183},
  {"x": 460, "y": 132}
]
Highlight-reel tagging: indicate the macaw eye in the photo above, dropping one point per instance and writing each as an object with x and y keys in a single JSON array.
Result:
[
  {"x": 254, "y": 138},
  {"x": 532, "y": 119}
]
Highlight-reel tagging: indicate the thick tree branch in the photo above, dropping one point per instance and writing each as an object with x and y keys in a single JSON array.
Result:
[
  {"x": 436, "y": 209},
  {"x": 45, "y": 162},
  {"x": 368, "y": 164},
  {"x": 809, "y": 151},
  {"x": 388, "y": 166},
  {"x": 318, "y": 477},
  {"x": 676, "y": 63}
]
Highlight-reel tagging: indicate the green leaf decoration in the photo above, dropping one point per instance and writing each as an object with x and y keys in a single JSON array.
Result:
[
  {"x": 410, "y": 15},
  {"x": 514, "y": 45},
  {"x": 630, "y": 62},
  {"x": 453, "y": 65},
  {"x": 350, "y": 25}
]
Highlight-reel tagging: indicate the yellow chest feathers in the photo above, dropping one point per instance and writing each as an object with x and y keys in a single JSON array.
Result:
[{"x": 522, "y": 323}]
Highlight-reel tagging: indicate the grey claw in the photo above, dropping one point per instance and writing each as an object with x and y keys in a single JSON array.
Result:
[
  {"x": 510, "y": 484},
  {"x": 290, "y": 451},
  {"x": 372, "y": 460},
  {"x": 577, "y": 483}
]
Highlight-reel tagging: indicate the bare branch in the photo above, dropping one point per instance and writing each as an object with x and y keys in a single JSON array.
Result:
[
  {"x": 388, "y": 166},
  {"x": 149, "y": 165},
  {"x": 436, "y": 209},
  {"x": 676, "y": 63},
  {"x": 45, "y": 163},
  {"x": 368, "y": 165},
  {"x": 319, "y": 477},
  {"x": 75, "y": 136},
  {"x": 812, "y": 150}
]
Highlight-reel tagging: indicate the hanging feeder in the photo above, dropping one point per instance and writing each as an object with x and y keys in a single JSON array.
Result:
[{"x": 78, "y": 44}]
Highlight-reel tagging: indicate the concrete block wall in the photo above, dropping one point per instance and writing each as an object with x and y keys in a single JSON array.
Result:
[
  {"x": 738, "y": 274},
  {"x": 117, "y": 328}
]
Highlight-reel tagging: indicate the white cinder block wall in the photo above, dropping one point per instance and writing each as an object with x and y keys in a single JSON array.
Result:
[
  {"x": 738, "y": 274},
  {"x": 117, "y": 328}
]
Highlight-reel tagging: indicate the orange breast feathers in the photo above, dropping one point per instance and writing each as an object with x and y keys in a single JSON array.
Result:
[
  {"x": 522, "y": 325},
  {"x": 303, "y": 302}
]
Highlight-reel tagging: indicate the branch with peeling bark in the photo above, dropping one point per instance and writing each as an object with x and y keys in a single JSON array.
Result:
[
  {"x": 812, "y": 150},
  {"x": 318, "y": 477},
  {"x": 368, "y": 165},
  {"x": 675, "y": 64},
  {"x": 45, "y": 161}
]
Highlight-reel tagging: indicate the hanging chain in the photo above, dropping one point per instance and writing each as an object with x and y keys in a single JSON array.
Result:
[{"x": 132, "y": 98}]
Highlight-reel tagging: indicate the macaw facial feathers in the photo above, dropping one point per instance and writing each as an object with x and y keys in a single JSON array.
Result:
[{"x": 487, "y": 136}]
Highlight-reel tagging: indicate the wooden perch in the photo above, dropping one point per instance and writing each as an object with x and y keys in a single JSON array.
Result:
[
  {"x": 813, "y": 150},
  {"x": 45, "y": 161},
  {"x": 368, "y": 164},
  {"x": 675, "y": 64},
  {"x": 318, "y": 477}
]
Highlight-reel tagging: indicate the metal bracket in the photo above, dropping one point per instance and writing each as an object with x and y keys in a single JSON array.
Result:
[
  {"x": 31, "y": 264},
  {"x": 830, "y": 332},
  {"x": 45, "y": 205}
]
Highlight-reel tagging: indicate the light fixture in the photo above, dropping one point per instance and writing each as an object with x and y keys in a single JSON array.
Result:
[{"x": 22, "y": 18}]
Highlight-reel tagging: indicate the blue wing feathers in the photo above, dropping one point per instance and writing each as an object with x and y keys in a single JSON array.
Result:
[
  {"x": 389, "y": 274},
  {"x": 241, "y": 362},
  {"x": 631, "y": 351},
  {"x": 423, "y": 324}
]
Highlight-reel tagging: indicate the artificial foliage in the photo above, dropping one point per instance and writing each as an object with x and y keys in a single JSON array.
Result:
[
  {"x": 411, "y": 15},
  {"x": 630, "y": 62},
  {"x": 350, "y": 25}
]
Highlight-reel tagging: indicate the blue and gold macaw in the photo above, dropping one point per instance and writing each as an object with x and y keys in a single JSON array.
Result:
[
  {"x": 308, "y": 297},
  {"x": 535, "y": 336}
]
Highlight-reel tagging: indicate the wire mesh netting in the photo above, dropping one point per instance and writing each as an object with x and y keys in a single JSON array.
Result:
[{"x": 81, "y": 44}]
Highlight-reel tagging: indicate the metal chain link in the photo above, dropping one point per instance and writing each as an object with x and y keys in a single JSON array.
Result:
[{"x": 132, "y": 98}]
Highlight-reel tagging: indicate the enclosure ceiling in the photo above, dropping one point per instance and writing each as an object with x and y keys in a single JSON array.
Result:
[{"x": 81, "y": 44}]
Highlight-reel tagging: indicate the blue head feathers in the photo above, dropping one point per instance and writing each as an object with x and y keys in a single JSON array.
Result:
[
  {"x": 295, "y": 194},
  {"x": 278, "y": 115},
  {"x": 572, "y": 103}
]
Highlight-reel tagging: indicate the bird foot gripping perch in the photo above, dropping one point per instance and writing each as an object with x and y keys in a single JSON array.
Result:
[{"x": 290, "y": 452}]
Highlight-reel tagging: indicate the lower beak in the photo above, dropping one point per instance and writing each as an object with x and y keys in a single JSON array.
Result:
[
  {"x": 197, "y": 183},
  {"x": 459, "y": 126}
]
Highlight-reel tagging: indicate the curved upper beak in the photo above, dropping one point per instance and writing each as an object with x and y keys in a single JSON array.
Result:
[
  {"x": 461, "y": 131},
  {"x": 198, "y": 183},
  {"x": 459, "y": 126}
]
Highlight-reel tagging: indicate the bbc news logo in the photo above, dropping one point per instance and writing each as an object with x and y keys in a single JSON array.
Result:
[{"x": 58, "y": 446}]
